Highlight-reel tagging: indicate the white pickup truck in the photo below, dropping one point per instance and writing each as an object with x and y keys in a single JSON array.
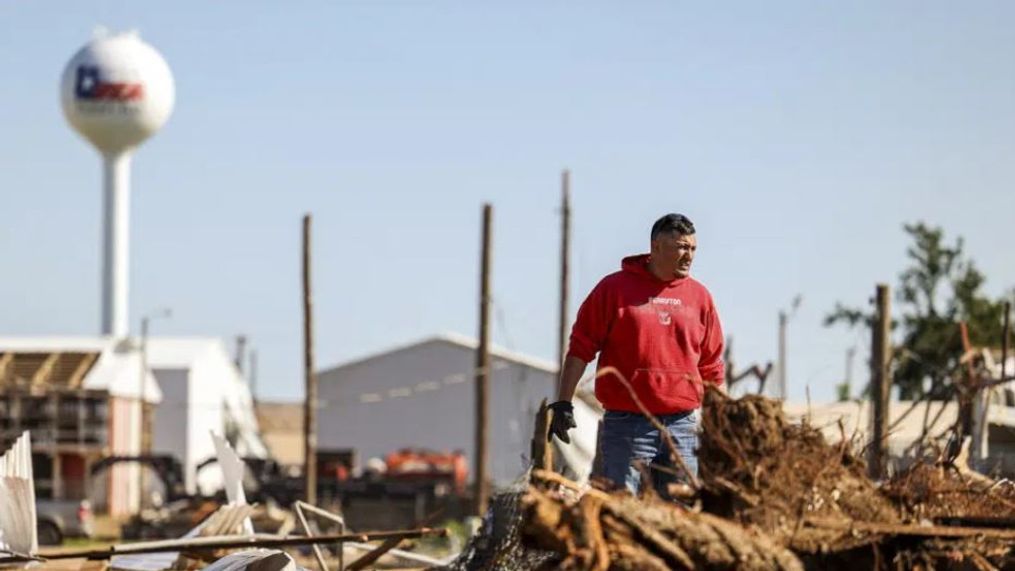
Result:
[{"x": 59, "y": 519}]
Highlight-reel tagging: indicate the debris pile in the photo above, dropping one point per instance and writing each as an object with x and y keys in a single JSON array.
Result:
[
  {"x": 617, "y": 531},
  {"x": 942, "y": 493},
  {"x": 759, "y": 469},
  {"x": 774, "y": 495}
]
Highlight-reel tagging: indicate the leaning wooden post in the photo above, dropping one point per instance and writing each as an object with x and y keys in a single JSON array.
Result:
[
  {"x": 310, "y": 380},
  {"x": 481, "y": 487},
  {"x": 881, "y": 382},
  {"x": 541, "y": 450}
]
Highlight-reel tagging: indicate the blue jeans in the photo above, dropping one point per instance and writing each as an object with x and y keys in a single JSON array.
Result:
[{"x": 628, "y": 438}]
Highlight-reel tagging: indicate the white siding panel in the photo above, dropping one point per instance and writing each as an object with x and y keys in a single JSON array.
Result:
[{"x": 171, "y": 416}]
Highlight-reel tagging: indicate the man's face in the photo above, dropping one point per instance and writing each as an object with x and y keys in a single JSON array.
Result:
[{"x": 672, "y": 254}]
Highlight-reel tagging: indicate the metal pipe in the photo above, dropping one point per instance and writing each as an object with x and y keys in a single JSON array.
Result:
[
  {"x": 301, "y": 506},
  {"x": 210, "y": 543},
  {"x": 309, "y": 533}
]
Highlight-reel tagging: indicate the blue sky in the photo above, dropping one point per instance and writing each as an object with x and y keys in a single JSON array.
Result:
[{"x": 799, "y": 136}]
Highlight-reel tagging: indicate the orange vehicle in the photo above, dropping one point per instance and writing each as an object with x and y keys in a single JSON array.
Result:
[{"x": 419, "y": 464}]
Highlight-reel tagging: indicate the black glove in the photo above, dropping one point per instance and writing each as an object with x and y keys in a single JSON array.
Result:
[{"x": 561, "y": 420}]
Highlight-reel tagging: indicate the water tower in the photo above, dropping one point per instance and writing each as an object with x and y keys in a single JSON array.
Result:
[{"x": 116, "y": 92}]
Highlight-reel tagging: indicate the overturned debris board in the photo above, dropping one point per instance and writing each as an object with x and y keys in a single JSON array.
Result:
[{"x": 232, "y": 476}]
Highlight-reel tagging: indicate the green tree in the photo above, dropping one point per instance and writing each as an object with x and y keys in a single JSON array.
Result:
[{"x": 940, "y": 288}]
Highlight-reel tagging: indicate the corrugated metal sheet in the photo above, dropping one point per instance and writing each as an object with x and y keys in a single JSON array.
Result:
[
  {"x": 17, "y": 499},
  {"x": 261, "y": 559}
]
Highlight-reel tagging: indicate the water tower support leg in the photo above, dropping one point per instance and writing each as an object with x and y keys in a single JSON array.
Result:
[{"x": 115, "y": 243}]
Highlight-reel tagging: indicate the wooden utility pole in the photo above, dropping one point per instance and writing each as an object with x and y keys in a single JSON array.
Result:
[
  {"x": 241, "y": 351},
  {"x": 980, "y": 447},
  {"x": 850, "y": 353},
  {"x": 1006, "y": 337},
  {"x": 482, "y": 490},
  {"x": 881, "y": 382},
  {"x": 310, "y": 379},
  {"x": 565, "y": 270},
  {"x": 783, "y": 389},
  {"x": 252, "y": 376}
]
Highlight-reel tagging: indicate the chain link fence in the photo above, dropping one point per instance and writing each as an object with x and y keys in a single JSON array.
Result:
[{"x": 498, "y": 544}]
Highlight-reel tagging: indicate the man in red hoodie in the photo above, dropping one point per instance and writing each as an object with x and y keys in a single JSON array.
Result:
[{"x": 657, "y": 327}]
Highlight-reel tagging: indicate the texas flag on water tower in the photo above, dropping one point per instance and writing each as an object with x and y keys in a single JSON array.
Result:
[{"x": 90, "y": 87}]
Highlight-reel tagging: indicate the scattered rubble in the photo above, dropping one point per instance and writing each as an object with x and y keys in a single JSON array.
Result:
[
  {"x": 222, "y": 537},
  {"x": 775, "y": 495},
  {"x": 771, "y": 495},
  {"x": 938, "y": 493}
]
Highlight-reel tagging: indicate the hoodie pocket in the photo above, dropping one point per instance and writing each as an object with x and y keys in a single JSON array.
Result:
[{"x": 679, "y": 389}]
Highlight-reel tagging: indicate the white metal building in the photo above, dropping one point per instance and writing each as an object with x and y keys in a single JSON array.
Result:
[
  {"x": 202, "y": 391},
  {"x": 422, "y": 395}
]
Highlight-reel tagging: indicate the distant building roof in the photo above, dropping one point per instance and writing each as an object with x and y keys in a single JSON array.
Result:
[
  {"x": 458, "y": 340},
  {"x": 112, "y": 365}
]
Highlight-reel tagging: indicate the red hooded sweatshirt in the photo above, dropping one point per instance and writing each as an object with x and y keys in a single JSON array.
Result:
[{"x": 663, "y": 336}]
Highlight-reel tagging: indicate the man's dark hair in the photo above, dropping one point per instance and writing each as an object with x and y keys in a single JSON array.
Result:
[{"x": 673, "y": 223}]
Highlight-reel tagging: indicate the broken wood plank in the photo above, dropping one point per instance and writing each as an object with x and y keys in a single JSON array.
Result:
[
  {"x": 6, "y": 360},
  {"x": 78, "y": 375},
  {"x": 45, "y": 370},
  {"x": 929, "y": 531},
  {"x": 974, "y": 521}
]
